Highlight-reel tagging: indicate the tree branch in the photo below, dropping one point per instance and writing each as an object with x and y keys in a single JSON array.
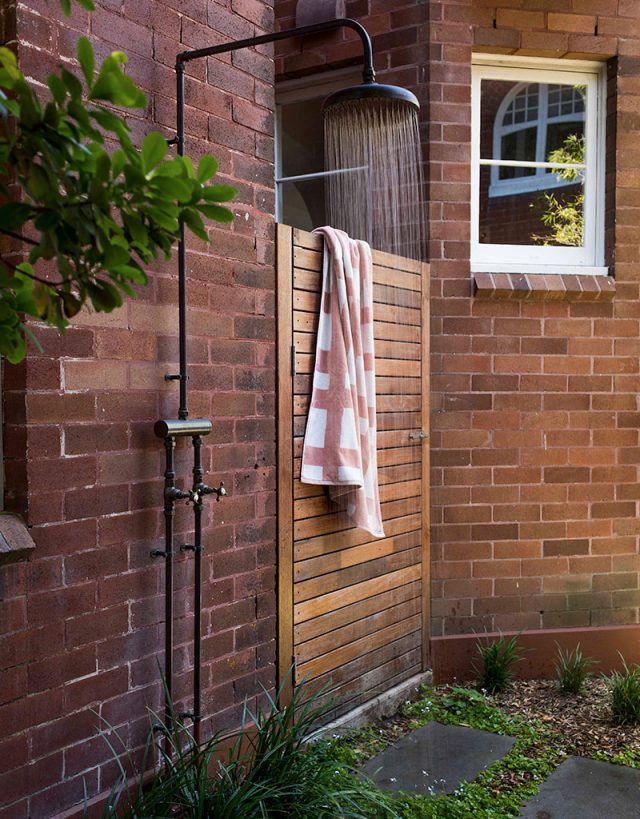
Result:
[{"x": 18, "y": 236}]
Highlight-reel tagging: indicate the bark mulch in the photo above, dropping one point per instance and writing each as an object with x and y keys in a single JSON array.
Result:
[{"x": 584, "y": 719}]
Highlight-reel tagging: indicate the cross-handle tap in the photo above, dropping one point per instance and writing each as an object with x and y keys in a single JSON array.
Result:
[{"x": 219, "y": 490}]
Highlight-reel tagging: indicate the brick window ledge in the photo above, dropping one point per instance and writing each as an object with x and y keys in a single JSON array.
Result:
[
  {"x": 543, "y": 286},
  {"x": 15, "y": 541}
]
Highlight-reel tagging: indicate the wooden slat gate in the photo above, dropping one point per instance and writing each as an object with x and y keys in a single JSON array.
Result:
[{"x": 354, "y": 610}]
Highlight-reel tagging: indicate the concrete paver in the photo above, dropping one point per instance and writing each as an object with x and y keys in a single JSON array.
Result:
[
  {"x": 587, "y": 789},
  {"x": 436, "y": 759}
]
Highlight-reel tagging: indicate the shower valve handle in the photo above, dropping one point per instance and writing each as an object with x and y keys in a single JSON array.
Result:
[
  {"x": 220, "y": 491},
  {"x": 175, "y": 494}
]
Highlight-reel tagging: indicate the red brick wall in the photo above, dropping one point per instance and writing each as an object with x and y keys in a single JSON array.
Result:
[
  {"x": 535, "y": 420},
  {"x": 535, "y": 424},
  {"x": 82, "y": 622}
]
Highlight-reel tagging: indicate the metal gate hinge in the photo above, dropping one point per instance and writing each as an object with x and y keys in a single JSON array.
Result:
[{"x": 418, "y": 436}]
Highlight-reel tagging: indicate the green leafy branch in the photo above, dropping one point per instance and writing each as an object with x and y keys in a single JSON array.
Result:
[
  {"x": 565, "y": 219},
  {"x": 92, "y": 217}
]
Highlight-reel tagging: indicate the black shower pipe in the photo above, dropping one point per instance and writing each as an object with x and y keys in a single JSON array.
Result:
[{"x": 171, "y": 430}]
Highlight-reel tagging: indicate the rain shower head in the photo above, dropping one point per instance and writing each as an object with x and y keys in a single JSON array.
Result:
[{"x": 371, "y": 92}]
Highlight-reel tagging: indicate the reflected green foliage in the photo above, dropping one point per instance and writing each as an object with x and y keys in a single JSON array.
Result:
[
  {"x": 564, "y": 218},
  {"x": 93, "y": 208}
]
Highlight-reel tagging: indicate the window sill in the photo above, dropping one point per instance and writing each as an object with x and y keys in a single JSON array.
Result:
[
  {"x": 15, "y": 541},
  {"x": 540, "y": 286}
]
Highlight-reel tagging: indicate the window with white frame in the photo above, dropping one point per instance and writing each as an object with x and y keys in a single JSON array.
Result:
[{"x": 538, "y": 142}]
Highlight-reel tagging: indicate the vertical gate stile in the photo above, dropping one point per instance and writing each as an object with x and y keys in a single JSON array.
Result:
[{"x": 285, "y": 460}]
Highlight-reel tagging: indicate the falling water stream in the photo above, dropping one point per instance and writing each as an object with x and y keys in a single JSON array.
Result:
[{"x": 380, "y": 199}]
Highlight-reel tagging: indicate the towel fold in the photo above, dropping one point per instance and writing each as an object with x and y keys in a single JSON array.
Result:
[{"x": 340, "y": 439}]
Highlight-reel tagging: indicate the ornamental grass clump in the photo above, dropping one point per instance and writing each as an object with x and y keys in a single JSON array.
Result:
[
  {"x": 572, "y": 669},
  {"x": 271, "y": 772},
  {"x": 624, "y": 690},
  {"x": 497, "y": 658}
]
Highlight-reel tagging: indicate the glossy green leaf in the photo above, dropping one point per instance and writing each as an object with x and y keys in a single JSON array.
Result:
[
  {"x": 87, "y": 59},
  {"x": 207, "y": 168},
  {"x": 219, "y": 193},
  {"x": 216, "y": 212},
  {"x": 154, "y": 149}
]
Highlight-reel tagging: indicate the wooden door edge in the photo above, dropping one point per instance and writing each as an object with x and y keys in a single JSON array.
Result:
[
  {"x": 284, "y": 464},
  {"x": 426, "y": 448}
]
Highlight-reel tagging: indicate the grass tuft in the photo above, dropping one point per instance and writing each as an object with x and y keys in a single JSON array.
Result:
[
  {"x": 624, "y": 692},
  {"x": 572, "y": 669},
  {"x": 497, "y": 658}
]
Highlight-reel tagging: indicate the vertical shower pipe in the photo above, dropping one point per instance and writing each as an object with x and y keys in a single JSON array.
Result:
[{"x": 170, "y": 430}]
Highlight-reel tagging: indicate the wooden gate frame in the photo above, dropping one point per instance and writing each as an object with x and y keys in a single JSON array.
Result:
[{"x": 284, "y": 464}]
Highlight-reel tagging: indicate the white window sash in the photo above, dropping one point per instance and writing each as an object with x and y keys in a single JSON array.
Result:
[{"x": 537, "y": 258}]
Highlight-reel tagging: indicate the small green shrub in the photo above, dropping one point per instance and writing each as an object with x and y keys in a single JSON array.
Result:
[
  {"x": 624, "y": 689},
  {"x": 497, "y": 659},
  {"x": 572, "y": 669}
]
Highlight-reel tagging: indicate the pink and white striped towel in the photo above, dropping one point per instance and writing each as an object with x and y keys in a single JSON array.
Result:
[{"x": 340, "y": 439}]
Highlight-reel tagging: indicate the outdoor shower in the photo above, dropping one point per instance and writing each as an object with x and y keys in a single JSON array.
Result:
[{"x": 370, "y": 96}]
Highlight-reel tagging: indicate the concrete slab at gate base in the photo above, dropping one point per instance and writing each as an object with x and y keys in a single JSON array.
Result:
[
  {"x": 587, "y": 789},
  {"x": 452, "y": 656}
]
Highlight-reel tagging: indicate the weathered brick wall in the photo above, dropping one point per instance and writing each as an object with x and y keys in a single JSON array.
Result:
[
  {"x": 82, "y": 622},
  {"x": 534, "y": 406},
  {"x": 535, "y": 445}
]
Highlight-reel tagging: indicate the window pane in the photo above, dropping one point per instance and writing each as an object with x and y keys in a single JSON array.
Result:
[
  {"x": 551, "y": 215},
  {"x": 303, "y": 203},
  {"x": 522, "y": 110},
  {"x": 301, "y": 132},
  {"x": 519, "y": 145},
  {"x": 568, "y": 137}
]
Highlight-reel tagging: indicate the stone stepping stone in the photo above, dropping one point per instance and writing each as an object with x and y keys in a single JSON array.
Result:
[
  {"x": 436, "y": 759},
  {"x": 587, "y": 789}
]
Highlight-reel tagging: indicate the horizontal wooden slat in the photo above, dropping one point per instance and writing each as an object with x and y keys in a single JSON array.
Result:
[
  {"x": 334, "y": 542},
  {"x": 388, "y": 474},
  {"x": 345, "y": 558},
  {"x": 321, "y": 505},
  {"x": 387, "y": 439},
  {"x": 306, "y": 302},
  {"x": 385, "y": 289},
  {"x": 358, "y": 668},
  {"x": 306, "y": 343},
  {"x": 341, "y": 579},
  {"x": 386, "y": 421},
  {"x": 385, "y": 385},
  {"x": 338, "y": 521},
  {"x": 361, "y": 610},
  {"x": 341, "y": 656},
  {"x": 343, "y": 597},
  {"x": 380, "y": 679},
  {"x": 354, "y": 631},
  {"x": 311, "y": 241}
]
